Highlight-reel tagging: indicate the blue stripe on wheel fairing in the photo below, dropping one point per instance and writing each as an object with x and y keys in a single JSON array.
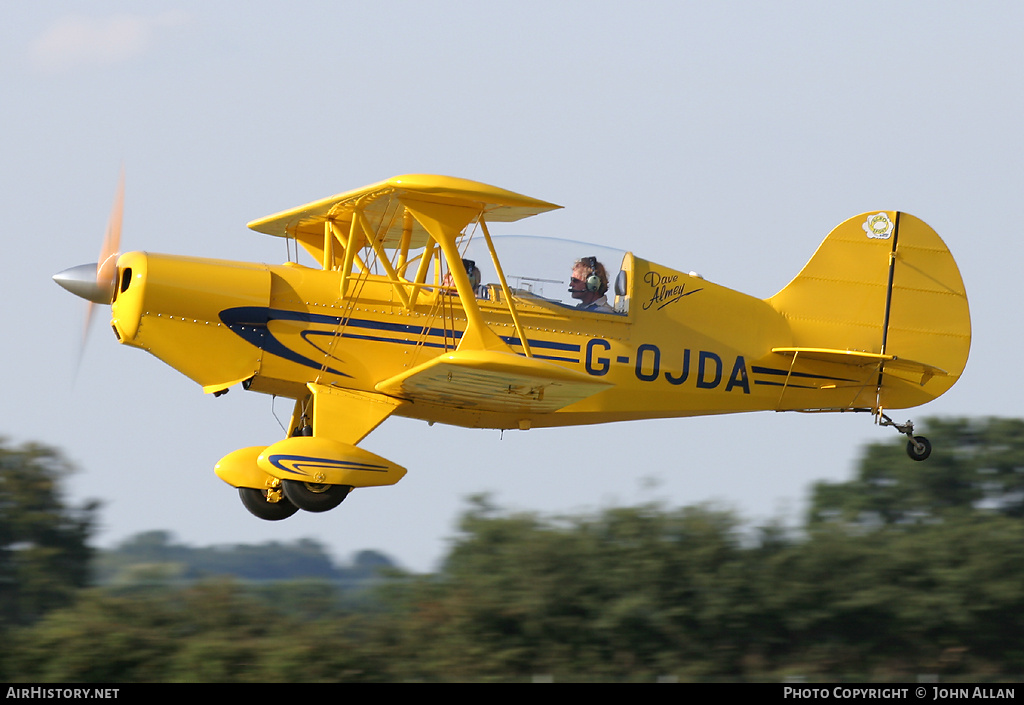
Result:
[{"x": 296, "y": 463}]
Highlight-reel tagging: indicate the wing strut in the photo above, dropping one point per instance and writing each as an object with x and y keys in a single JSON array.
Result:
[
  {"x": 505, "y": 290},
  {"x": 445, "y": 223}
]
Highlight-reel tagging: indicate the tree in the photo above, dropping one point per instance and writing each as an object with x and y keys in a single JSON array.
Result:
[
  {"x": 977, "y": 466},
  {"x": 625, "y": 592},
  {"x": 210, "y": 631},
  {"x": 44, "y": 552}
]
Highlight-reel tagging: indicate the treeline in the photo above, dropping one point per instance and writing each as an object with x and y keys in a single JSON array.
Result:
[
  {"x": 154, "y": 557},
  {"x": 908, "y": 568}
]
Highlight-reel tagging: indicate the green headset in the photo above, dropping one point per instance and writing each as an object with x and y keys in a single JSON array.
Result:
[{"x": 593, "y": 280}]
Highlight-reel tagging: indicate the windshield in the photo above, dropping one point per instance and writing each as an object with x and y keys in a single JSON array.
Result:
[{"x": 541, "y": 266}]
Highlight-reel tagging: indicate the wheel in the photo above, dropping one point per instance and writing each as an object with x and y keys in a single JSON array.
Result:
[
  {"x": 313, "y": 496},
  {"x": 924, "y": 452},
  {"x": 257, "y": 503}
]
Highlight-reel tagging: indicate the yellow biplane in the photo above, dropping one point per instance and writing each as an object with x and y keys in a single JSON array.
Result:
[{"x": 396, "y": 318}]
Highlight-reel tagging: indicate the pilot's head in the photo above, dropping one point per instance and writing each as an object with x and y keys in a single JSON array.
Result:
[{"x": 589, "y": 280}]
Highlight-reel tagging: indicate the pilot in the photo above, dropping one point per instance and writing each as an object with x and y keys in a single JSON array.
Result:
[{"x": 588, "y": 285}]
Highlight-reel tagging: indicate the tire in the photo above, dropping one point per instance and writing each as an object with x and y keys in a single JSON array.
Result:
[
  {"x": 916, "y": 454},
  {"x": 314, "y": 497},
  {"x": 256, "y": 502}
]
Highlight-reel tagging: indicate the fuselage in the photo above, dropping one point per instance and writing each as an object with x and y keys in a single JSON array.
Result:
[{"x": 679, "y": 345}]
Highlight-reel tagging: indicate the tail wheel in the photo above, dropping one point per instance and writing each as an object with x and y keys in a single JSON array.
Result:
[
  {"x": 314, "y": 496},
  {"x": 262, "y": 503},
  {"x": 919, "y": 448}
]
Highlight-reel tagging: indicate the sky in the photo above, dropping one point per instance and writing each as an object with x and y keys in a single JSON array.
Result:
[{"x": 727, "y": 138}]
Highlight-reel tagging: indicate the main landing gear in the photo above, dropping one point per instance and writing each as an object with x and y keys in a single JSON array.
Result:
[
  {"x": 918, "y": 447},
  {"x": 309, "y": 472}
]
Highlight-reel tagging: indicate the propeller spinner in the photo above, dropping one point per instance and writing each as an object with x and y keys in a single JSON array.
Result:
[{"x": 96, "y": 282}]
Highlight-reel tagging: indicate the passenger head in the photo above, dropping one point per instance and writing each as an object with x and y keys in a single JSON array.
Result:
[{"x": 471, "y": 271}]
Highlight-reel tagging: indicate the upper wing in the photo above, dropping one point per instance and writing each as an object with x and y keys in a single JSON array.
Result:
[
  {"x": 488, "y": 380},
  {"x": 380, "y": 204}
]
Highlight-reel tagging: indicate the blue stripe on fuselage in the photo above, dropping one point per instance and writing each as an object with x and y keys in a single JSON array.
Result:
[{"x": 250, "y": 323}]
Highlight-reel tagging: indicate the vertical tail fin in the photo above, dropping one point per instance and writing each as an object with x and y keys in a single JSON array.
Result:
[{"x": 884, "y": 283}]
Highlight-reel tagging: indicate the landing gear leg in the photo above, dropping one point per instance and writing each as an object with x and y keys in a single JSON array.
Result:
[{"x": 918, "y": 447}]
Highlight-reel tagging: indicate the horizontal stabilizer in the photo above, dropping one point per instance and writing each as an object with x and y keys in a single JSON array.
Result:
[
  {"x": 889, "y": 363},
  {"x": 488, "y": 380}
]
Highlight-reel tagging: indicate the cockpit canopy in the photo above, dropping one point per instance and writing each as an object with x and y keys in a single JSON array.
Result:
[{"x": 539, "y": 268}]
